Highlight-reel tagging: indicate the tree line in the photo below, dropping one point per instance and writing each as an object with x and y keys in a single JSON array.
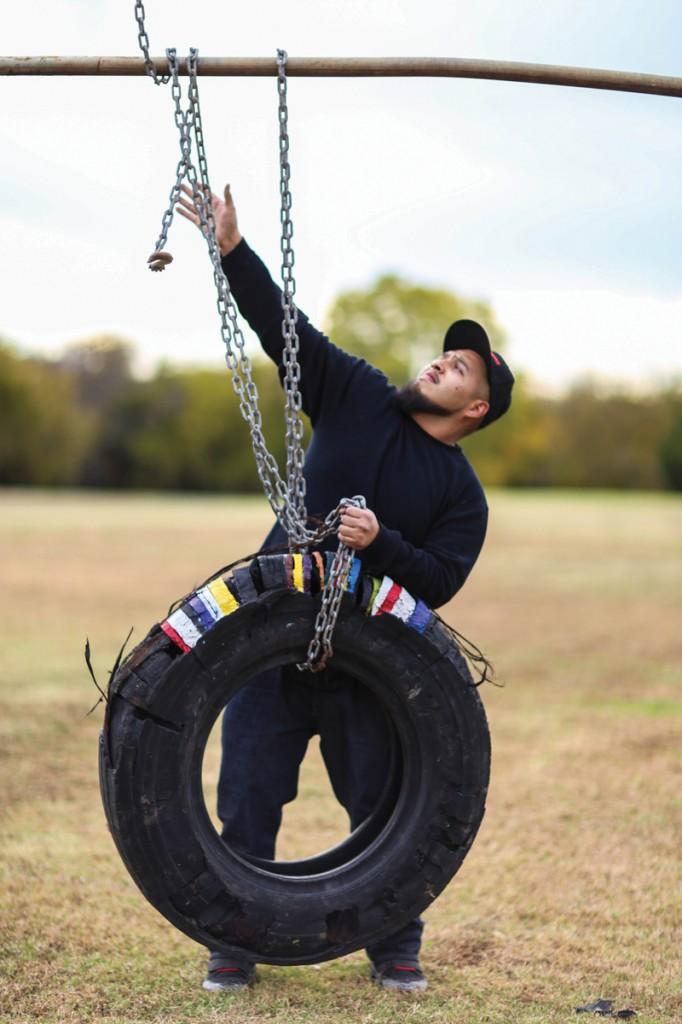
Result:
[{"x": 85, "y": 419}]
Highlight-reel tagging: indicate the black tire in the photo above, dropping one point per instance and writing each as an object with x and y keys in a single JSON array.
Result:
[{"x": 162, "y": 706}]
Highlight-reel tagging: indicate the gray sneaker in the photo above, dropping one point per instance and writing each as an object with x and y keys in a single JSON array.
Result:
[
  {"x": 225, "y": 975},
  {"x": 399, "y": 977}
]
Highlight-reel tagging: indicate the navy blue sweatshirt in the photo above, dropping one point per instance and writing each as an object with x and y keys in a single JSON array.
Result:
[{"x": 430, "y": 505}]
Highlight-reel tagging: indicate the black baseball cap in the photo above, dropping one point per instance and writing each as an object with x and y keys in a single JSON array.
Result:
[{"x": 469, "y": 334}]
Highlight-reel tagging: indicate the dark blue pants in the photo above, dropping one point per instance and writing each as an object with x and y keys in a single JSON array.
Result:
[{"x": 266, "y": 729}]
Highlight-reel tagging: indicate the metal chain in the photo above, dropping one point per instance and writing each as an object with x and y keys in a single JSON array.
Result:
[
  {"x": 237, "y": 360},
  {"x": 286, "y": 497},
  {"x": 143, "y": 40},
  {"x": 292, "y": 371},
  {"x": 320, "y": 649},
  {"x": 183, "y": 121}
]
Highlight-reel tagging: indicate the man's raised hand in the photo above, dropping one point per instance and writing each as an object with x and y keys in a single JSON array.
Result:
[
  {"x": 224, "y": 215},
  {"x": 359, "y": 527}
]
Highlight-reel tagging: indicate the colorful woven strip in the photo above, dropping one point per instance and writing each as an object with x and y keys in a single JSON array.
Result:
[
  {"x": 404, "y": 606},
  {"x": 387, "y": 597},
  {"x": 175, "y": 637},
  {"x": 223, "y": 597},
  {"x": 390, "y": 600},
  {"x": 304, "y": 573},
  {"x": 298, "y": 571},
  {"x": 210, "y": 602},
  {"x": 307, "y": 574},
  {"x": 376, "y": 584},
  {"x": 204, "y": 614},
  {"x": 420, "y": 617},
  {"x": 354, "y": 575},
  {"x": 184, "y": 627},
  {"x": 384, "y": 588}
]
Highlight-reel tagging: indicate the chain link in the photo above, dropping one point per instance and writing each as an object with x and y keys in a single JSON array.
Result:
[
  {"x": 143, "y": 40},
  {"x": 286, "y": 497}
]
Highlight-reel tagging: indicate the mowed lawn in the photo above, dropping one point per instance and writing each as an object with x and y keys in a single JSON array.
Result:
[{"x": 572, "y": 889}]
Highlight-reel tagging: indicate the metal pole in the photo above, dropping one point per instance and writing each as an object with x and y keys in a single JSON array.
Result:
[{"x": 351, "y": 67}]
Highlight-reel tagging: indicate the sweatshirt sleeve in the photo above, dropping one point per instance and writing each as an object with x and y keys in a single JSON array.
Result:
[
  {"x": 326, "y": 370},
  {"x": 437, "y": 570}
]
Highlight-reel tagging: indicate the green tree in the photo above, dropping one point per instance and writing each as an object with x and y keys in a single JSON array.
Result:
[
  {"x": 606, "y": 440},
  {"x": 43, "y": 432},
  {"x": 183, "y": 429},
  {"x": 670, "y": 449},
  {"x": 100, "y": 367},
  {"x": 399, "y": 326}
]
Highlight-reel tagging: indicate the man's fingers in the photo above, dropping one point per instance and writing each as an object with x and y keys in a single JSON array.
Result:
[
  {"x": 189, "y": 211},
  {"x": 190, "y": 192},
  {"x": 351, "y": 512},
  {"x": 350, "y": 536},
  {"x": 184, "y": 213},
  {"x": 194, "y": 217}
]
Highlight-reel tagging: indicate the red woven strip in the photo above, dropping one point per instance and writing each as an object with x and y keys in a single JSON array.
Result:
[
  {"x": 320, "y": 566},
  {"x": 175, "y": 637},
  {"x": 390, "y": 599}
]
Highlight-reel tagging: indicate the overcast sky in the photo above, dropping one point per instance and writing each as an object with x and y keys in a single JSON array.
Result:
[{"x": 562, "y": 207}]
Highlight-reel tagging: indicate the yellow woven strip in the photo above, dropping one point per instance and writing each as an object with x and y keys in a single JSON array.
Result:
[
  {"x": 224, "y": 598},
  {"x": 376, "y": 584},
  {"x": 298, "y": 572}
]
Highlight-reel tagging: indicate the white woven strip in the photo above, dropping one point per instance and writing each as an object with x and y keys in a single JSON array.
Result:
[
  {"x": 184, "y": 627},
  {"x": 210, "y": 602},
  {"x": 404, "y": 606},
  {"x": 382, "y": 594}
]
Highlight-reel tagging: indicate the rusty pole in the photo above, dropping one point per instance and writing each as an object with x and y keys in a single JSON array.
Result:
[{"x": 352, "y": 67}]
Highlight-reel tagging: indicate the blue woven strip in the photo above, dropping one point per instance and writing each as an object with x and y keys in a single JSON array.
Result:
[
  {"x": 204, "y": 617},
  {"x": 354, "y": 575},
  {"x": 420, "y": 617}
]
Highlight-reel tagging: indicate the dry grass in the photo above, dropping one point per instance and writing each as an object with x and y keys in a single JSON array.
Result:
[{"x": 572, "y": 889}]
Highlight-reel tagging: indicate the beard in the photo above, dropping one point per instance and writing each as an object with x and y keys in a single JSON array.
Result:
[{"x": 409, "y": 399}]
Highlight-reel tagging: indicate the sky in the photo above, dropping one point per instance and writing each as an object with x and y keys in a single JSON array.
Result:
[{"x": 560, "y": 207}]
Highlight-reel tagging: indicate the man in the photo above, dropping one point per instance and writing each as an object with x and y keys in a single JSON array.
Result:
[{"x": 424, "y": 526}]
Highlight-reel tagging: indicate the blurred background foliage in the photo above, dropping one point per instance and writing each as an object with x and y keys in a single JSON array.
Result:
[{"x": 86, "y": 419}]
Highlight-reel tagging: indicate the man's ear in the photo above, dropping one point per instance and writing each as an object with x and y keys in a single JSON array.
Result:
[{"x": 476, "y": 410}]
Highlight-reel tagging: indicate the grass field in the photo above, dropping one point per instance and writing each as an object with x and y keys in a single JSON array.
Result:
[{"x": 572, "y": 889}]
